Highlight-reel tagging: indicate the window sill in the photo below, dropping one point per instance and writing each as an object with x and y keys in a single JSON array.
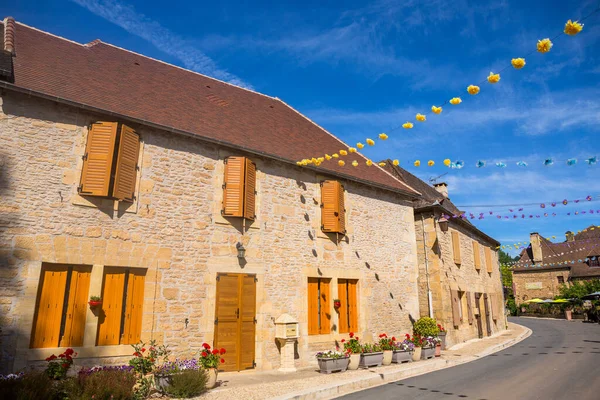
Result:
[{"x": 121, "y": 350}]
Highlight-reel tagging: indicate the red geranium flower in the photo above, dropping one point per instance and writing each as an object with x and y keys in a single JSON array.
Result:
[
  {"x": 215, "y": 351},
  {"x": 51, "y": 358},
  {"x": 222, "y": 360},
  {"x": 407, "y": 336},
  {"x": 65, "y": 365},
  {"x": 137, "y": 354},
  {"x": 206, "y": 345},
  {"x": 143, "y": 349},
  {"x": 357, "y": 338},
  {"x": 204, "y": 354},
  {"x": 69, "y": 351},
  {"x": 394, "y": 338},
  {"x": 351, "y": 334},
  {"x": 222, "y": 351},
  {"x": 343, "y": 340}
]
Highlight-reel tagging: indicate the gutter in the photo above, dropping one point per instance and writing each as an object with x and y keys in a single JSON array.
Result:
[{"x": 29, "y": 92}]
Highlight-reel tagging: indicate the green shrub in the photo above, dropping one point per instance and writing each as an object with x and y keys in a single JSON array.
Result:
[
  {"x": 512, "y": 306},
  {"x": 105, "y": 385},
  {"x": 188, "y": 383},
  {"x": 426, "y": 326},
  {"x": 32, "y": 385}
]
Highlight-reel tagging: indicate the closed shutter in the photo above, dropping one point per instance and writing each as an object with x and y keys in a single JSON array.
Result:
[
  {"x": 127, "y": 160},
  {"x": 344, "y": 324},
  {"x": 109, "y": 323},
  {"x": 98, "y": 158},
  {"x": 250, "y": 190},
  {"x": 76, "y": 308},
  {"x": 456, "y": 247},
  {"x": 134, "y": 306},
  {"x": 488, "y": 260},
  {"x": 226, "y": 322},
  {"x": 469, "y": 307},
  {"x": 313, "y": 306},
  {"x": 46, "y": 328},
  {"x": 248, "y": 326},
  {"x": 455, "y": 309},
  {"x": 493, "y": 306},
  {"x": 325, "y": 306},
  {"x": 332, "y": 207},
  {"x": 476, "y": 256},
  {"x": 353, "y": 303},
  {"x": 233, "y": 188}
]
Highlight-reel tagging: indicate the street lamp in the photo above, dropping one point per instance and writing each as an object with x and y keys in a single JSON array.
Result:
[
  {"x": 241, "y": 250},
  {"x": 443, "y": 221}
]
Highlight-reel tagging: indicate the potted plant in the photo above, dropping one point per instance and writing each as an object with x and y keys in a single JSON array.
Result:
[
  {"x": 403, "y": 351},
  {"x": 353, "y": 348},
  {"x": 332, "y": 361},
  {"x": 95, "y": 301},
  {"x": 387, "y": 345},
  {"x": 568, "y": 313},
  {"x": 371, "y": 356},
  {"x": 442, "y": 336},
  {"x": 429, "y": 346},
  {"x": 417, "y": 343},
  {"x": 163, "y": 374},
  {"x": 337, "y": 304},
  {"x": 210, "y": 359}
]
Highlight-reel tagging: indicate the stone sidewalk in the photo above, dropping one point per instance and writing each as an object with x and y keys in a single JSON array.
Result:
[{"x": 309, "y": 384}]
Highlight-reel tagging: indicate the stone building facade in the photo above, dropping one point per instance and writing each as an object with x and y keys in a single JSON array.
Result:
[{"x": 173, "y": 234}]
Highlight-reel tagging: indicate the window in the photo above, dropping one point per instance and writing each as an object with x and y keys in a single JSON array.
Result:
[
  {"x": 239, "y": 188},
  {"x": 476, "y": 256},
  {"x": 488, "y": 260},
  {"x": 110, "y": 162},
  {"x": 333, "y": 210},
  {"x": 594, "y": 261},
  {"x": 319, "y": 306},
  {"x": 61, "y": 306},
  {"x": 120, "y": 321},
  {"x": 348, "y": 311},
  {"x": 456, "y": 247},
  {"x": 561, "y": 279}
]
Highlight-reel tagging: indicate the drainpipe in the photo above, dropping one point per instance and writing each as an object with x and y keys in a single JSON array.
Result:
[{"x": 429, "y": 299}]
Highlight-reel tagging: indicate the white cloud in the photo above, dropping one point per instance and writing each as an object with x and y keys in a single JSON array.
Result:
[{"x": 126, "y": 17}]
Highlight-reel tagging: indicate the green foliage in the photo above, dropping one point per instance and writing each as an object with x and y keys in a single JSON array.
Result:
[
  {"x": 426, "y": 326},
  {"x": 505, "y": 271},
  {"x": 578, "y": 289},
  {"x": 33, "y": 385},
  {"x": 188, "y": 383},
  {"x": 107, "y": 385},
  {"x": 352, "y": 346},
  {"x": 512, "y": 306},
  {"x": 58, "y": 367}
]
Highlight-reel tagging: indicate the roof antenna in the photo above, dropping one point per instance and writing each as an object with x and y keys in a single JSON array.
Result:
[{"x": 433, "y": 179}]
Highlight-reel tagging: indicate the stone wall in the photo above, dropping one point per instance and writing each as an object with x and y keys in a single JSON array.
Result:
[
  {"x": 538, "y": 284},
  {"x": 175, "y": 230},
  {"x": 445, "y": 275}
]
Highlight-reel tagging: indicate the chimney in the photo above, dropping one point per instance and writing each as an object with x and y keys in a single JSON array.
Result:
[
  {"x": 442, "y": 188},
  {"x": 536, "y": 247},
  {"x": 9, "y": 35},
  {"x": 570, "y": 236}
]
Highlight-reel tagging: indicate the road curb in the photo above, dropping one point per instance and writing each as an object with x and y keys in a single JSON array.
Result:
[{"x": 380, "y": 378}]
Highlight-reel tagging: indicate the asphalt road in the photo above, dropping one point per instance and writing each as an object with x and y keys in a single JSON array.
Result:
[{"x": 560, "y": 360}]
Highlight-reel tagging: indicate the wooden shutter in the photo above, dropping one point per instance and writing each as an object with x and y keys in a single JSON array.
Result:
[
  {"x": 332, "y": 207},
  {"x": 127, "y": 160},
  {"x": 476, "y": 255},
  {"x": 469, "y": 308},
  {"x": 109, "y": 323},
  {"x": 233, "y": 188},
  {"x": 325, "y": 321},
  {"x": 248, "y": 326},
  {"x": 353, "y": 304},
  {"x": 344, "y": 323},
  {"x": 77, "y": 304},
  {"x": 46, "y": 328},
  {"x": 455, "y": 305},
  {"x": 134, "y": 306},
  {"x": 250, "y": 190},
  {"x": 313, "y": 306},
  {"x": 493, "y": 306},
  {"x": 488, "y": 260},
  {"x": 98, "y": 158},
  {"x": 226, "y": 319},
  {"x": 456, "y": 247}
]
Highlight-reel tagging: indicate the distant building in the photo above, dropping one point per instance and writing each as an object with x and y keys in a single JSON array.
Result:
[{"x": 545, "y": 266}]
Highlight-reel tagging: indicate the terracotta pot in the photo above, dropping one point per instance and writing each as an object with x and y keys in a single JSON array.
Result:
[
  {"x": 568, "y": 315},
  {"x": 95, "y": 303},
  {"x": 442, "y": 336},
  {"x": 211, "y": 382},
  {"x": 416, "y": 356},
  {"x": 387, "y": 357},
  {"x": 438, "y": 350},
  {"x": 354, "y": 361}
]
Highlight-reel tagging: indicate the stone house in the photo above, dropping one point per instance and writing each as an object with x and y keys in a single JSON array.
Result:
[
  {"x": 176, "y": 198},
  {"x": 544, "y": 266},
  {"x": 459, "y": 274}
]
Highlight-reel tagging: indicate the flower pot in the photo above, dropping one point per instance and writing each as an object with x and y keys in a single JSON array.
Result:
[
  {"x": 354, "y": 361},
  {"x": 416, "y": 355},
  {"x": 371, "y": 359},
  {"x": 438, "y": 350},
  {"x": 163, "y": 381},
  {"x": 568, "y": 315},
  {"x": 329, "y": 365},
  {"x": 401, "y": 356},
  {"x": 442, "y": 336},
  {"x": 95, "y": 303},
  {"x": 211, "y": 381},
  {"x": 387, "y": 357},
  {"x": 427, "y": 353}
]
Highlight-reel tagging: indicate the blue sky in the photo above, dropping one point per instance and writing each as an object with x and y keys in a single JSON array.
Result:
[{"x": 364, "y": 68}]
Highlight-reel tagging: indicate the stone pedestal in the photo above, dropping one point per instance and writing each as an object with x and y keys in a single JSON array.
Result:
[{"x": 287, "y": 354}]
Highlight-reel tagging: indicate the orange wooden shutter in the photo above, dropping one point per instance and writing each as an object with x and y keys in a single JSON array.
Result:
[
  {"x": 98, "y": 158},
  {"x": 324, "y": 299},
  {"x": 126, "y": 170},
  {"x": 76, "y": 308},
  {"x": 455, "y": 311},
  {"x": 233, "y": 188},
  {"x": 46, "y": 328},
  {"x": 493, "y": 306},
  {"x": 134, "y": 308},
  {"x": 227, "y": 304},
  {"x": 344, "y": 307},
  {"x": 353, "y": 303},
  {"x": 109, "y": 323},
  {"x": 456, "y": 247},
  {"x": 313, "y": 306},
  {"x": 331, "y": 209},
  {"x": 247, "y": 336},
  {"x": 488, "y": 260},
  {"x": 341, "y": 210},
  {"x": 476, "y": 256},
  {"x": 250, "y": 190},
  {"x": 469, "y": 308}
]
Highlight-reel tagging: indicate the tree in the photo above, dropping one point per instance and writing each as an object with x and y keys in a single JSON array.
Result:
[
  {"x": 505, "y": 271},
  {"x": 578, "y": 289}
]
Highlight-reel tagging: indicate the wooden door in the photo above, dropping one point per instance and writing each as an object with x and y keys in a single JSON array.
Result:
[
  {"x": 478, "y": 316},
  {"x": 235, "y": 323},
  {"x": 487, "y": 314}
]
